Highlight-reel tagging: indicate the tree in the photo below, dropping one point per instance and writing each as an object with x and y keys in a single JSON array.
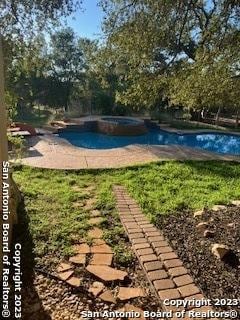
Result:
[
  {"x": 162, "y": 41},
  {"x": 205, "y": 85},
  {"x": 18, "y": 17},
  {"x": 67, "y": 61},
  {"x": 16, "y": 20},
  {"x": 108, "y": 74},
  {"x": 25, "y": 70},
  {"x": 100, "y": 79}
]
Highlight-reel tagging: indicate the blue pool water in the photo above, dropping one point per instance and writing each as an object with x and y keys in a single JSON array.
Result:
[{"x": 215, "y": 142}]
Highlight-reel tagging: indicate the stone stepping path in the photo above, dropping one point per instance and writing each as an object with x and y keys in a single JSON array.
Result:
[
  {"x": 165, "y": 272},
  {"x": 95, "y": 220},
  {"x": 95, "y": 233},
  {"x": 89, "y": 203},
  {"x": 97, "y": 260},
  {"x": 106, "y": 273}
]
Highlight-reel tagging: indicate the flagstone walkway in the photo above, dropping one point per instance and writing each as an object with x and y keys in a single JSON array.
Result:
[{"x": 90, "y": 279}]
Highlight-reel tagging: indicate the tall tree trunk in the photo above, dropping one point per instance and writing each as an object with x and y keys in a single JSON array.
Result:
[
  {"x": 203, "y": 114},
  {"x": 3, "y": 113},
  {"x": 237, "y": 119},
  {"x": 218, "y": 116},
  {"x": 3, "y": 140},
  {"x": 13, "y": 192}
]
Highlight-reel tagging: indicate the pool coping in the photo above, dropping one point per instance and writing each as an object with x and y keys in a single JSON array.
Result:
[
  {"x": 174, "y": 131},
  {"x": 50, "y": 151},
  {"x": 199, "y": 131}
]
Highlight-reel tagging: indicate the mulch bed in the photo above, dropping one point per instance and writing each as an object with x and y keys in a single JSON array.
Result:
[{"x": 217, "y": 279}]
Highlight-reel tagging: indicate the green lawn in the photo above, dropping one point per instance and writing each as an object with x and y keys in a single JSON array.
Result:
[{"x": 161, "y": 188}]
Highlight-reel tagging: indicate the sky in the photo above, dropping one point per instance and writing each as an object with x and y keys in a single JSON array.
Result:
[{"x": 87, "y": 23}]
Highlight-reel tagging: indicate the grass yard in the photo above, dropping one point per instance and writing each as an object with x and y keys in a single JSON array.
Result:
[{"x": 53, "y": 198}]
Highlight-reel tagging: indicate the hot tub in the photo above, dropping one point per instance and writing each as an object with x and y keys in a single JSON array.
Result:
[{"x": 121, "y": 126}]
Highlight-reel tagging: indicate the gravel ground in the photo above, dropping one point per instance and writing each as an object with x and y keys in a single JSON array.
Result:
[
  {"x": 217, "y": 279},
  {"x": 52, "y": 299},
  {"x": 45, "y": 297}
]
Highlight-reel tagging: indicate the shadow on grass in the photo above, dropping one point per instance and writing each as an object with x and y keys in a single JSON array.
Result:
[{"x": 32, "y": 307}]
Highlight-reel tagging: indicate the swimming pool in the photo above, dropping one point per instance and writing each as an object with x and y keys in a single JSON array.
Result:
[{"x": 215, "y": 142}]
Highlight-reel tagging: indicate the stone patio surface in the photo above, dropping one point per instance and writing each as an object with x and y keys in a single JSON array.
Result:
[{"x": 50, "y": 151}]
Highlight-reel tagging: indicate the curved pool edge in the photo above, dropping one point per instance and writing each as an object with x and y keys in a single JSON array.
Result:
[
  {"x": 215, "y": 143},
  {"x": 198, "y": 131},
  {"x": 51, "y": 152}
]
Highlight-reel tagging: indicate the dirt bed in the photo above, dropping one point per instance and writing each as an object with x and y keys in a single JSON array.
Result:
[{"x": 217, "y": 279}]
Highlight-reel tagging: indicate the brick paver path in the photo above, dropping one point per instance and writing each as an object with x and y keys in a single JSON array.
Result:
[{"x": 166, "y": 274}]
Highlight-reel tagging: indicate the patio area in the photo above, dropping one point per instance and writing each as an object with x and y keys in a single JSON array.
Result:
[{"x": 50, "y": 151}]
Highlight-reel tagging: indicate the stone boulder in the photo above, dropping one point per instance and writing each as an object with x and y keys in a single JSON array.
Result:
[
  {"x": 198, "y": 214},
  {"x": 220, "y": 250}
]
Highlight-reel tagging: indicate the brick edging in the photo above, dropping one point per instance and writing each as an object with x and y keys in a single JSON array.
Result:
[{"x": 165, "y": 272}]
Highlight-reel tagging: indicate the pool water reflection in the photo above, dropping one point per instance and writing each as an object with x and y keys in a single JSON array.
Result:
[{"x": 215, "y": 142}]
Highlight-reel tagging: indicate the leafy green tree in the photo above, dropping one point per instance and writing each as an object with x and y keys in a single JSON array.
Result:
[
  {"x": 166, "y": 42},
  {"x": 20, "y": 19},
  {"x": 28, "y": 64},
  {"x": 67, "y": 64},
  {"x": 17, "y": 17}
]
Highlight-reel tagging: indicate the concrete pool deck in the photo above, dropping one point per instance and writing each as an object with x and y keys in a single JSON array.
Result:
[{"x": 50, "y": 151}]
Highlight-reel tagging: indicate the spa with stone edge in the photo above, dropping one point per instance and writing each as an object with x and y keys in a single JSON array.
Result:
[
  {"x": 109, "y": 132},
  {"x": 116, "y": 126}
]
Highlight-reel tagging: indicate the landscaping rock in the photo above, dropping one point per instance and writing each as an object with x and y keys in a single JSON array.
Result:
[
  {"x": 102, "y": 259},
  {"x": 65, "y": 275},
  {"x": 64, "y": 267},
  {"x": 106, "y": 273},
  {"x": 218, "y": 207},
  {"x": 220, "y": 250},
  {"x": 198, "y": 214},
  {"x": 107, "y": 296},
  {"x": 236, "y": 203},
  {"x": 208, "y": 234},
  {"x": 102, "y": 248},
  {"x": 78, "y": 259},
  {"x": 216, "y": 278},
  {"x": 231, "y": 225},
  {"x": 130, "y": 293},
  {"x": 74, "y": 281},
  {"x": 201, "y": 226},
  {"x": 82, "y": 248},
  {"x": 95, "y": 233},
  {"x": 96, "y": 288},
  {"x": 131, "y": 308}
]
